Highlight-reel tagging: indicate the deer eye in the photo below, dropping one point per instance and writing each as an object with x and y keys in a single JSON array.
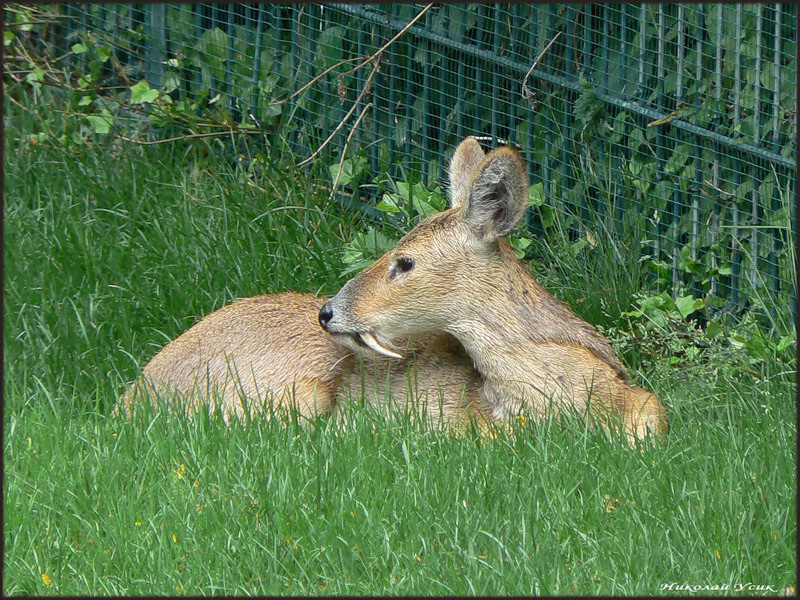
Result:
[{"x": 401, "y": 265}]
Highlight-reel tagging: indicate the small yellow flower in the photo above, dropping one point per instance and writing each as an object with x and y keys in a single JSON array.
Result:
[
  {"x": 717, "y": 552},
  {"x": 175, "y": 538},
  {"x": 612, "y": 504},
  {"x": 180, "y": 472},
  {"x": 138, "y": 523},
  {"x": 521, "y": 420},
  {"x": 46, "y": 579}
]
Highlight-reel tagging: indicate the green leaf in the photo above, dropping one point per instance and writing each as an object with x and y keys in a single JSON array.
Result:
[
  {"x": 273, "y": 109},
  {"x": 103, "y": 53},
  {"x": 388, "y": 204},
  {"x": 79, "y": 48},
  {"x": 536, "y": 194},
  {"x": 8, "y": 37},
  {"x": 141, "y": 93},
  {"x": 519, "y": 244},
  {"x": 35, "y": 76},
  {"x": 329, "y": 46},
  {"x": 85, "y": 101},
  {"x": 350, "y": 170},
  {"x": 422, "y": 206},
  {"x": 686, "y": 305},
  {"x": 547, "y": 215},
  {"x": 101, "y": 123},
  {"x": 713, "y": 330},
  {"x": 171, "y": 82}
]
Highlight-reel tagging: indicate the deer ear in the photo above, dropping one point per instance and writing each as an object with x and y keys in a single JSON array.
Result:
[
  {"x": 466, "y": 158},
  {"x": 496, "y": 194}
]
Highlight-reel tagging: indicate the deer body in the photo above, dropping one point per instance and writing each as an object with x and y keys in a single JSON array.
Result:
[
  {"x": 269, "y": 352},
  {"x": 454, "y": 274},
  {"x": 465, "y": 331}
]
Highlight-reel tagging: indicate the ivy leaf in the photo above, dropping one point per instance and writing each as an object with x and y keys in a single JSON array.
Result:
[
  {"x": 519, "y": 244},
  {"x": 103, "y": 53},
  {"x": 35, "y": 76},
  {"x": 101, "y": 123},
  {"x": 350, "y": 170},
  {"x": 141, "y": 93},
  {"x": 79, "y": 48},
  {"x": 388, "y": 204},
  {"x": 686, "y": 305},
  {"x": 536, "y": 194},
  {"x": 85, "y": 101},
  {"x": 171, "y": 82}
]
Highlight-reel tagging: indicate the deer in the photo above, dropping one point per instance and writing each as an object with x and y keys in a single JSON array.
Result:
[
  {"x": 267, "y": 355},
  {"x": 455, "y": 274}
]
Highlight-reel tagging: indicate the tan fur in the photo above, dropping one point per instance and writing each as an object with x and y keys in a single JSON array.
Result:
[
  {"x": 530, "y": 350},
  {"x": 269, "y": 353},
  {"x": 435, "y": 379},
  {"x": 256, "y": 351}
]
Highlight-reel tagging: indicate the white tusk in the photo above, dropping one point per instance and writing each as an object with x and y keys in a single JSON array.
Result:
[{"x": 370, "y": 341}]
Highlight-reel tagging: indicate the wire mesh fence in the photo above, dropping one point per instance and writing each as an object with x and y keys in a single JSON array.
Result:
[{"x": 669, "y": 126}]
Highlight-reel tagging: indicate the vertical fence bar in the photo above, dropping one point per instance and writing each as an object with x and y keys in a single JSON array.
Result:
[
  {"x": 378, "y": 93},
  {"x": 256, "y": 63},
  {"x": 698, "y": 154},
  {"x": 532, "y": 44},
  {"x": 516, "y": 21},
  {"x": 676, "y": 191},
  {"x": 640, "y": 91},
  {"x": 460, "y": 80},
  {"x": 623, "y": 52},
  {"x": 392, "y": 111},
  {"x": 495, "y": 75},
  {"x": 155, "y": 50},
  {"x": 566, "y": 139},
  {"x": 600, "y": 204},
  {"x": 660, "y": 146},
  {"x": 606, "y": 46},
  {"x": 776, "y": 112},
  {"x": 198, "y": 30},
  {"x": 755, "y": 219},
  {"x": 426, "y": 105},
  {"x": 478, "y": 70},
  {"x": 737, "y": 177},
  {"x": 715, "y": 179},
  {"x": 229, "y": 62},
  {"x": 362, "y": 81},
  {"x": 408, "y": 98}
]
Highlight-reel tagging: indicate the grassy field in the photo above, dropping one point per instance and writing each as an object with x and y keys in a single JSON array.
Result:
[{"x": 110, "y": 252}]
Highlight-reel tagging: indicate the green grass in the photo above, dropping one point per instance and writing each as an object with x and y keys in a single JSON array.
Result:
[{"x": 107, "y": 256}]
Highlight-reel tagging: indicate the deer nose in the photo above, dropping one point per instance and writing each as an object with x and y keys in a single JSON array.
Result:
[{"x": 325, "y": 315}]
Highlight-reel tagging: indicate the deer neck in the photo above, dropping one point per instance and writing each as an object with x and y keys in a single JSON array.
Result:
[{"x": 509, "y": 320}]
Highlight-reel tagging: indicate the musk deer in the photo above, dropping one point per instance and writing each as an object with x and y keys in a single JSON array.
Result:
[
  {"x": 264, "y": 354},
  {"x": 455, "y": 274}
]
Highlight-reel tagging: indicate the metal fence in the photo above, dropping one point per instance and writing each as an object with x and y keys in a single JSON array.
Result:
[{"x": 670, "y": 126}]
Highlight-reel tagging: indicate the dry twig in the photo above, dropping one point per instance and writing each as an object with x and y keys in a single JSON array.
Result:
[
  {"x": 344, "y": 150},
  {"x": 367, "y": 85},
  {"x": 393, "y": 40},
  {"x": 527, "y": 94},
  {"x": 190, "y": 136}
]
